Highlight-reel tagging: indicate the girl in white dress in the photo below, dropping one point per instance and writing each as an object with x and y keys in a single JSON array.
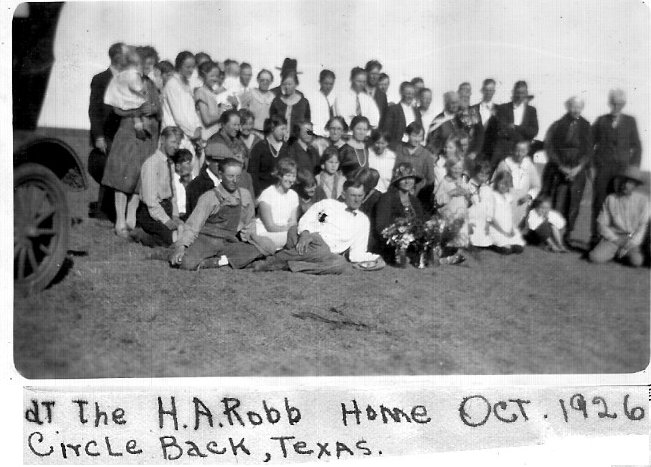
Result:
[
  {"x": 382, "y": 159},
  {"x": 526, "y": 181},
  {"x": 505, "y": 235},
  {"x": 481, "y": 196},
  {"x": 278, "y": 204}
]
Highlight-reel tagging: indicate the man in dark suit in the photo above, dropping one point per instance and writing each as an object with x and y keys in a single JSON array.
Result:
[
  {"x": 399, "y": 115},
  {"x": 104, "y": 123},
  {"x": 513, "y": 122},
  {"x": 569, "y": 150},
  {"x": 444, "y": 124},
  {"x": 373, "y": 70},
  {"x": 616, "y": 146}
]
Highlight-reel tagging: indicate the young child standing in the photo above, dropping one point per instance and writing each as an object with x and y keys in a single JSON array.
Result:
[
  {"x": 330, "y": 181},
  {"x": 127, "y": 91},
  {"x": 504, "y": 234},
  {"x": 544, "y": 225},
  {"x": 480, "y": 204}
]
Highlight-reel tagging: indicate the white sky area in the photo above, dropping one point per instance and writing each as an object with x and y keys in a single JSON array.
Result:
[{"x": 561, "y": 48}]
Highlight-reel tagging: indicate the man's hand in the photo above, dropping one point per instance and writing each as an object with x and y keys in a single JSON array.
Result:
[
  {"x": 174, "y": 224},
  {"x": 100, "y": 143},
  {"x": 177, "y": 256},
  {"x": 147, "y": 108},
  {"x": 304, "y": 241}
]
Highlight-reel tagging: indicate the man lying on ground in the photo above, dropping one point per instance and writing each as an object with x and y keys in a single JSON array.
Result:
[{"x": 328, "y": 230}]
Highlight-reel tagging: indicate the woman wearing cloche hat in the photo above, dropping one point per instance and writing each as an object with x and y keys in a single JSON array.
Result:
[{"x": 399, "y": 201}]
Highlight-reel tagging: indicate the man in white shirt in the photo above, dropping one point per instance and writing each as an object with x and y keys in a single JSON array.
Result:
[
  {"x": 427, "y": 113},
  {"x": 486, "y": 107},
  {"x": 400, "y": 116},
  {"x": 243, "y": 85},
  {"x": 321, "y": 103},
  {"x": 355, "y": 101},
  {"x": 326, "y": 231}
]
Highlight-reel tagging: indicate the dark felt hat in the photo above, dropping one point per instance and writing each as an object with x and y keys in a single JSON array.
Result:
[
  {"x": 289, "y": 64},
  {"x": 218, "y": 152},
  {"x": 404, "y": 170},
  {"x": 632, "y": 173}
]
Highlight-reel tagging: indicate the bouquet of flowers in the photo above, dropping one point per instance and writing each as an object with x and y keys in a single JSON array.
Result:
[{"x": 400, "y": 234}]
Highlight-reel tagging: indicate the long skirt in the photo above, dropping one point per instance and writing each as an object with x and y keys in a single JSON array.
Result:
[{"x": 127, "y": 155}]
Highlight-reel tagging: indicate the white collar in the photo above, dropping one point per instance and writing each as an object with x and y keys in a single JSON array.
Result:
[{"x": 213, "y": 177}]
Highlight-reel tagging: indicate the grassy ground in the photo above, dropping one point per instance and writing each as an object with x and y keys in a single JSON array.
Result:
[{"x": 117, "y": 314}]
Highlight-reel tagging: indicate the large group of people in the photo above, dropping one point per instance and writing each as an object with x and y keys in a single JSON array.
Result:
[{"x": 219, "y": 171}]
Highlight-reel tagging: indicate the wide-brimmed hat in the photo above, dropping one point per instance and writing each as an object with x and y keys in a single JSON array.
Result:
[
  {"x": 404, "y": 170},
  {"x": 218, "y": 152},
  {"x": 289, "y": 64},
  {"x": 632, "y": 173}
]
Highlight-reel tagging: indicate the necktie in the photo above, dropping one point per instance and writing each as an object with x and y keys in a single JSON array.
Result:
[
  {"x": 171, "y": 176},
  {"x": 358, "y": 106}
]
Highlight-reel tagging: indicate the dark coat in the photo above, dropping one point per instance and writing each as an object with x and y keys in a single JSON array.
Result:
[
  {"x": 300, "y": 111},
  {"x": 437, "y": 138},
  {"x": 389, "y": 208},
  {"x": 395, "y": 124},
  {"x": 262, "y": 163},
  {"x": 305, "y": 158},
  {"x": 380, "y": 98},
  {"x": 501, "y": 138},
  {"x": 104, "y": 123},
  {"x": 616, "y": 147},
  {"x": 563, "y": 150}
]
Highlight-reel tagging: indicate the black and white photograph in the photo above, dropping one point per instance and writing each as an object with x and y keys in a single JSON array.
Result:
[{"x": 330, "y": 188}]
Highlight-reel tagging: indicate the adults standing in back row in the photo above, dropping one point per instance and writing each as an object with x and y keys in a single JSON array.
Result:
[
  {"x": 373, "y": 71},
  {"x": 356, "y": 102},
  {"x": 569, "y": 149},
  {"x": 104, "y": 124},
  {"x": 617, "y": 146},
  {"x": 400, "y": 116},
  {"x": 514, "y": 121}
]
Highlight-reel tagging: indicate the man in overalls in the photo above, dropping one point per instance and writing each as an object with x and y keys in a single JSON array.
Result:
[{"x": 221, "y": 228}]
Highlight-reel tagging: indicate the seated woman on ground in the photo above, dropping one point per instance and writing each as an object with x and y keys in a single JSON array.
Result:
[
  {"x": 305, "y": 187},
  {"x": 398, "y": 202},
  {"x": 330, "y": 181},
  {"x": 504, "y": 234},
  {"x": 278, "y": 204},
  {"x": 544, "y": 225}
]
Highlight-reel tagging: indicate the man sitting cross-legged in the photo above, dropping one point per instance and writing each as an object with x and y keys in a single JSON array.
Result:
[
  {"x": 222, "y": 224},
  {"x": 328, "y": 229}
]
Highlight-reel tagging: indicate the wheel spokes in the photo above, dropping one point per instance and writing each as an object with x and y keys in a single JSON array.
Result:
[
  {"x": 32, "y": 258},
  {"x": 21, "y": 263}
]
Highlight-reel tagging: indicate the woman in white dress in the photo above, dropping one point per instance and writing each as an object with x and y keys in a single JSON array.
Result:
[
  {"x": 258, "y": 100},
  {"x": 179, "y": 107},
  {"x": 382, "y": 159},
  {"x": 504, "y": 233},
  {"x": 278, "y": 204},
  {"x": 526, "y": 180}
]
